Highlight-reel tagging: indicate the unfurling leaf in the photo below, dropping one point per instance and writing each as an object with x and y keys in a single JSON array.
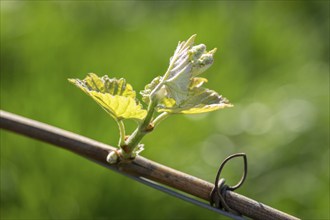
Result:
[
  {"x": 180, "y": 90},
  {"x": 115, "y": 96}
]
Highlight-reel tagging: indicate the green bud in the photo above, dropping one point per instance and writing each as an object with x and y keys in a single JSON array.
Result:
[
  {"x": 202, "y": 64},
  {"x": 196, "y": 52}
]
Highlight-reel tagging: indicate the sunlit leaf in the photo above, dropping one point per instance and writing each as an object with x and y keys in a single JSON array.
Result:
[
  {"x": 178, "y": 75},
  {"x": 105, "y": 85},
  {"x": 115, "y": 96},
  {"x": 200, "y": 100}
]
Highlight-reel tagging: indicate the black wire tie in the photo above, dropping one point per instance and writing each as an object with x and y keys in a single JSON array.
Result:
[{"x": 217, "y": 197}]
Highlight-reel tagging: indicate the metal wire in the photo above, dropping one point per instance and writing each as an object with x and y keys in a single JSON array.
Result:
[
  {"x": 187, "y": 198},
  {"x": 218, "y": 192}
]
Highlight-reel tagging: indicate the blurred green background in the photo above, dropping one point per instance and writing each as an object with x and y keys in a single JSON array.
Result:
[{"x": 272, "y": 64}]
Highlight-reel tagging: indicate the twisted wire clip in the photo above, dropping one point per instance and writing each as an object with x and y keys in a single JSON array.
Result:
[{"x": 217, "y": 197}]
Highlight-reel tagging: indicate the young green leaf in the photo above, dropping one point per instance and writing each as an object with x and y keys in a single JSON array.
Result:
[
  {"x": 179, "y": 90},
  {"x": 115, "y": 96},
  {"x": 200, "y": 100}
]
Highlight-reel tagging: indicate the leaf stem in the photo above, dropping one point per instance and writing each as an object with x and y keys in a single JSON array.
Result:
[
  {"x": 159, "y": 118},
  {"x": 121, "y": 127}
]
